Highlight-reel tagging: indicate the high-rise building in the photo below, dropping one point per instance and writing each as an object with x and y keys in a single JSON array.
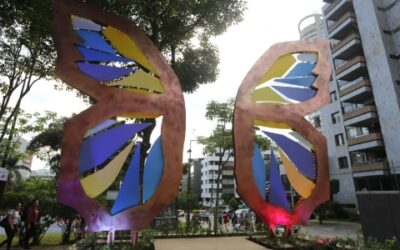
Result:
[
  {"x": 362, "y": 122},
  {"x": 329, "y": 122},
  {"x": 209, "y": 177}
]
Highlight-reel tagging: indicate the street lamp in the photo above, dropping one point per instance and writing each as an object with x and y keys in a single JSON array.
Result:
[{"x": 188, "y": 183}]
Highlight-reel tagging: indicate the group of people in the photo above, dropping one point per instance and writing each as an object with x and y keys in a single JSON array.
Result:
[{"x": 14, "y": 219}]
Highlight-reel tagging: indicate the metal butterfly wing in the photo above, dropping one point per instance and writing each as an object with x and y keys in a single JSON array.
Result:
[
  {"x": 287, "y": 83},
  {"x": 108, "y": 58}
]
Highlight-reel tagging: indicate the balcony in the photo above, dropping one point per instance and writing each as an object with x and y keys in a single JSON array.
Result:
[
  {"x": 348, "y": 47},
  {"x": 364, "y": 142},
  {"x": 357, "y": 92},
  {"x": 361, "y": 117},
  {"x": 369, "y": 166},
  {"x": 352, "y": 69},
  {"x": 346, "y": 25},
  {"x": 337, "y": 8}
]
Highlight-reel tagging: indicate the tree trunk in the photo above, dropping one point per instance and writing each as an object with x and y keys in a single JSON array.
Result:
[{"x": 216, "y": 212}]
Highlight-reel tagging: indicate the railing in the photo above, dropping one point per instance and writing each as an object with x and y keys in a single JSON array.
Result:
[
  {"x": 353, "y": 87},
  {"x": 348, "y": 64},
  {"x": 345, "y": 41},
  {"x": 349, "y": 84},
  {"x": 341, "y": 20},
  {"x": 382, "y": 165},
  {"x": 359, "y": 111},
  {"x": 331, "y": 6},
  {"x": 365, "y": 138}
]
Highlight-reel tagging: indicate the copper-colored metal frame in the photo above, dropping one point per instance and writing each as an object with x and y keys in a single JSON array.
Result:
[
  {"x": 113, "y": 102},
  {"x": 246, "y": 111}
]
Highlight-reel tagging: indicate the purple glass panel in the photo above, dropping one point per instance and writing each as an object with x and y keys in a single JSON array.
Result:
[
  {"x": 277, "y": 194},
  {"x": 86, "y": 24},
  {"x": 128, "y": 195},
  {"x": 96, "y": 149},
  {"x": 301, "y": 157},
  {"x": 301, "y": 81},
  {"x": 95, "y": 40},
  {"x": 103, "y": 73},
  {"x": 301, "y": 69},
  {"x": 259, "y": 171},
  {"x": 153, "y": 170},
  {"x": 298, "y": 94},
  {"x": 99, "y": 56}
]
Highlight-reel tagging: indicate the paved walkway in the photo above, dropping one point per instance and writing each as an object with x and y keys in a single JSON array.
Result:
[
  {"x": 332, "y": 229},
  {"x": 221, "y": 243}
]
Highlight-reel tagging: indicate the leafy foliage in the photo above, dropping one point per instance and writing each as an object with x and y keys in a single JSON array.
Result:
[
  {"x": 11, "y": 150},
  {"x": 221, "y": 142},
  {"x": 188, "y": 200},
  {"x": 175, "y": 26}
]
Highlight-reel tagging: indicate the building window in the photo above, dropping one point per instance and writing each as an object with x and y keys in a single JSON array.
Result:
[
  {"x": 317, "y": 121},
  {"x": 333, "y": 96},
  {"x": 343, "y": 162},
  {"x": 335, "y": 117},
  {"x": 339, "y": 139}
]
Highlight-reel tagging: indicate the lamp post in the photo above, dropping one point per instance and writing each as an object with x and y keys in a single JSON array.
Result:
[{"x": 189, "y": 184}]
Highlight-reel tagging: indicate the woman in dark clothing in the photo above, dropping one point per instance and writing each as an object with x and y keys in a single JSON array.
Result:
[
  {"x": 12, "y": 220},
  {"x": 31, "y": 222}
]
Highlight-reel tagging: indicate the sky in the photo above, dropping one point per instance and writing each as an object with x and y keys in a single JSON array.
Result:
[{"x": 265, "y": 22}]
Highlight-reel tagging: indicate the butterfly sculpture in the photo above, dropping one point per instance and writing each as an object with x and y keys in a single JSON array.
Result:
[
  {"x": 109, "y": 59},
  {"x": 287, "y": 83}
]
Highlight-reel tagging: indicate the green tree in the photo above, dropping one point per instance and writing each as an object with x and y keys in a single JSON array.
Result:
[
  {"x": 32, "y": 189},
  {"x": 26, "y": 56},
  {"x": 220, "y": 142},
  {"x": 11, "y": 149},
  {"x": 187, "y": 200},
  {"x": 47, "y": 145},
  {"x": 233, "y": 204},
  {"x": 182, "y": 31}
]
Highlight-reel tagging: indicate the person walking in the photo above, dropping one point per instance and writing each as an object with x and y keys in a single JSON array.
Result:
[
  {"x": 31, "y": 222},
  {"x": 10, "y": 223}
]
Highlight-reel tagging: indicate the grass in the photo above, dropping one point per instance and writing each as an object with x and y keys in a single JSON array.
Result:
[{"x": 48, "y": 239}]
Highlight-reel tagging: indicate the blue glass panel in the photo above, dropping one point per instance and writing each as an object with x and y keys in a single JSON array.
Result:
[
  {"x": 83, "y": 23},
  {"x": 103, "y": 73},
  {"x": 301, "y": 69},
  {"x": 101, "y": 126},
  {"x": 153, "y": 170},
  {"x": 301, "y": 157},
  {"x": 277, "y": 194},
  {"x": 301, "y": 81},
  {"x": 298, "y": 94},
  {"x": 96, "y": 149},
  {"x": 259, "y": 171},
  {"x": 99, "y": 56},
  {"x": 95, "y": 40},
  {"x": 128, "y": 195}
]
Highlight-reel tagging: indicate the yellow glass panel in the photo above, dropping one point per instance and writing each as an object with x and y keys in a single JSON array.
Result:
[
  {"x": 138, "y": 115},
  {"x": 278, "y": 68},
  {"x": 300, "y": 183},
  {"x": 97, "y": 183},
  {"x": 128, "y": 48},
  {"x": 267, "y": 95},
  {"x": 140, "y": 79},
  {"x": 271, "y": 124}
]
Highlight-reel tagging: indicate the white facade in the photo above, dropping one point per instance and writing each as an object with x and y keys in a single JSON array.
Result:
[{"x": 209, "y": 175}]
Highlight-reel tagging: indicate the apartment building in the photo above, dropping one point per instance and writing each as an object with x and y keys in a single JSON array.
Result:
[
  {"x": 328, "y": 120},
  {"x": 364, "y": 115},
  {"x": 209, "y": 177}
]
